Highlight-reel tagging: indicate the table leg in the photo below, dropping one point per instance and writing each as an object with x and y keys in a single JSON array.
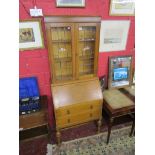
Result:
[
  {"x": 58, "y": 135},
  {"x": 111, "y": 120},
  {"x": 49, "y": 133},
  {"x": 99, "y": 122},
  {"x": 132, "y": 128}
]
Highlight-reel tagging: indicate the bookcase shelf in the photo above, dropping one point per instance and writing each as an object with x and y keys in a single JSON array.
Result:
[
  {"x": 85, "y": 73},
  {"x": 86, "y": 57},
  {"x": 86, "y": 40},
  {"x": 63, "y": 59},
  {"x": 64, "y": 77},
  {"x": 61, "y": 41}
]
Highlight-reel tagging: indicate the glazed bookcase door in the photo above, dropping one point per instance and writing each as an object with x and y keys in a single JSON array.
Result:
[
  {"x": 87, "y": 49},
  {"x": 60, "y": 42}
]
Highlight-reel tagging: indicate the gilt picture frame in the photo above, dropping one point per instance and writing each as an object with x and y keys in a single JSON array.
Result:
[
  {"x": 30, "y": 35},
  {"x": 133, "y": 77},
  {"x": 122, "y": 8},
  {"x": 120, "y": 72},
  {"x": 70, "y": 3}
]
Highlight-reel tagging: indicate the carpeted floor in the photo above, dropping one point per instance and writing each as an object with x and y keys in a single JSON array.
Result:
[
  {"x": 120, "y": 144},
  {"x": 38, "y": 146}
]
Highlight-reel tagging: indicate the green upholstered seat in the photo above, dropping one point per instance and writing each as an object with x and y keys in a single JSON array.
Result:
[{"x": 116, "y": 99}]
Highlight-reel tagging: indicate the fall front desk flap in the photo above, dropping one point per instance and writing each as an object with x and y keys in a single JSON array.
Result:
[{"x": 76, "y": 92}]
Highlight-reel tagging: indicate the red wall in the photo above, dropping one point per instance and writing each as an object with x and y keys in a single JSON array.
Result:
[{"x": 35, "y": 62}]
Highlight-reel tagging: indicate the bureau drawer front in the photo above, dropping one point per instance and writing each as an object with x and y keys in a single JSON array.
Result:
[
  {"x": 75, "y": 109},
  {"x": 67, "y": 121}
]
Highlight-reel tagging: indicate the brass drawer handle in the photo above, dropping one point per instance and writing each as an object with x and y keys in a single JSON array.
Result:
[
  {"x": 68, "y": 112},
  {"x": 91, "y": 107},
  {"x": 91, "y": 114},
  {"x": 68, "y": 120}
]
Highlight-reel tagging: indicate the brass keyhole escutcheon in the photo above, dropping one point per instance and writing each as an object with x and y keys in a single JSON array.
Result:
[
  {"x": 68, "y": 112},
  {"x": 68, "y": 120},
  {"x": 91, "y": 107}
]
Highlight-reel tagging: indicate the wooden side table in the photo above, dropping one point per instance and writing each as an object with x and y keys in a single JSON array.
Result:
[
  {"x": 117, "y": 104},
  {"x": 34, "y": 124},
  {"x": 130, "y": 92}
]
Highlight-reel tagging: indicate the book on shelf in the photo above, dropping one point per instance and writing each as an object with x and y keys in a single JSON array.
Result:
[
  {"x": 70, "y": 68},
  {"x": 69, "y": 54},
  {"x": 81, "y": 33},
  {"x": 62, "y": 34},
  {"x": 58, "y": 69},
  {"x": 59, "y": 34},
  {"x": 81, "y": 48},
  {"x": 54, "y": 34},
  {"x": 55, "y": 51},
  {"x": 68, "y": 35},
  {"x": 94, "y": 33},
  {"x": 86, "y": 33}
]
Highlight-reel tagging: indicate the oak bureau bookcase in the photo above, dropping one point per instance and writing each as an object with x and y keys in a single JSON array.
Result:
[{"x": 73, "y": 45}]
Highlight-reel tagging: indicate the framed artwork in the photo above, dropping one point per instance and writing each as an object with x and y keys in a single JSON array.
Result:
[
  {"x": 103, "y": 83},
  {"x": 113, "y": 35},
  {"x": 30, "y": 35},
  {"x": 70, "y": 3},
  {"x": 122, "y": 7},
  {"x": 133, "y": 78},
  {"x": 120, "y": 72}
]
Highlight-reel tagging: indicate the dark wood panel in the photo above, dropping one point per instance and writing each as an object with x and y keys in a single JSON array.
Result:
[{"x": 34, "y": 132}]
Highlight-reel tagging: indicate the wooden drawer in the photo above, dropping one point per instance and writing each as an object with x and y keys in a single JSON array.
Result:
[
  {"x": 77, "y": 108},
  {"x": 70, "y": 120},
  {"x": 32, "y": 120}
]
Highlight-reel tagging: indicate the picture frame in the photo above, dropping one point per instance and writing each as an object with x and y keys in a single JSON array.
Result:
[
  {"x": 133, "y": 77},
  {"x": 70, "y": 3},
  {"x": 122, "y": 8},
  {"x": 30, "y": 35},
  {"x": 120, "y": 72},
  {"x": 114, "y": 35}
]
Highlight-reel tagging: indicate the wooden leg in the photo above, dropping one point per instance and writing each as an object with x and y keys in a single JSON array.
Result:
[
  {"x": 132, "y": 128},
  {"x": 49, "y": 133},
  {"x": 58, "y": 135},
  {"x": 99, "y": 122},
  {"x": 109, "y": 128}
]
